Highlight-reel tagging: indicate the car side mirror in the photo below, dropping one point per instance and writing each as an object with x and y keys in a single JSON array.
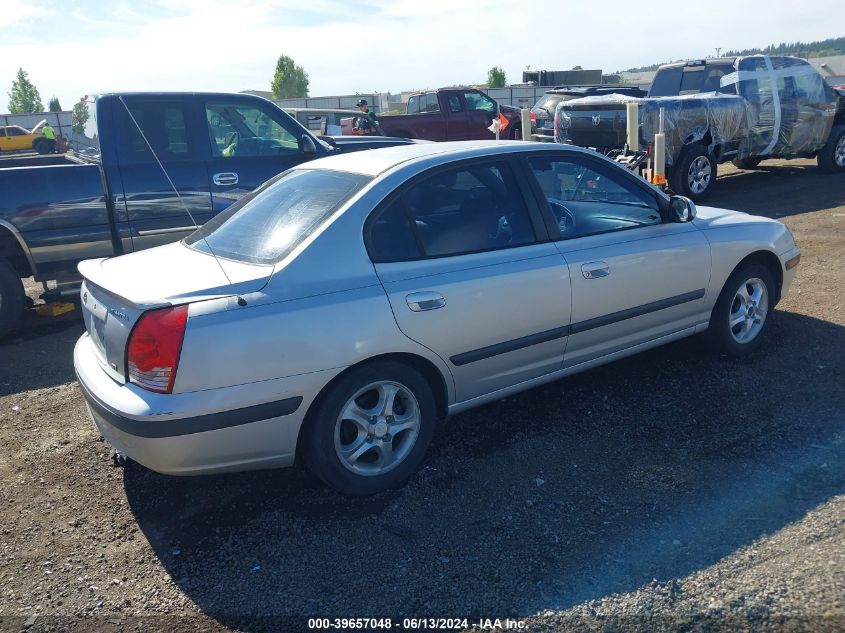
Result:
[
  {"x": 307, "y": 146},
  {"x": 683, "y": 209}
]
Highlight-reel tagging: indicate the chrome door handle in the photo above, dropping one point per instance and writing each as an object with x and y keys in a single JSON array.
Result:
[
  {"x": 595, "y": 270},
  {"x": 225, "y": 178},
  {"x": 426, "y": 300}
]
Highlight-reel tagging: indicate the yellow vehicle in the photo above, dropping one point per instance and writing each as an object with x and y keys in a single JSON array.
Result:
[{"x": 14, "y": 137}]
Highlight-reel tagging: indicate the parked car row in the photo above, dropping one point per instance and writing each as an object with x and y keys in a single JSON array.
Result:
[{"x": 744, "y": 109}]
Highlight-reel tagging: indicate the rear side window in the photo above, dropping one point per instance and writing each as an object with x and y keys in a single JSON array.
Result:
[
  {"x": 666, "y": 83},
  {"x": 266, "y": 226},
  {"x": 454, "y": 212},
  {"x": 430, "y": 103},
  {"x": 163, "y": 126}
]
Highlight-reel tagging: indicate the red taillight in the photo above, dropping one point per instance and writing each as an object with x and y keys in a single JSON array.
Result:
[
  {"x": 154, "y": 347},
  {"x": 533, "y": 118}
]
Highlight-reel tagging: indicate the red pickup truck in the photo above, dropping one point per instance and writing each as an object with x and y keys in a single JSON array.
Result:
[{"x": 451, "y": 114}]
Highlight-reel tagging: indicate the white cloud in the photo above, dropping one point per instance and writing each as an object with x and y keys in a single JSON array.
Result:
[{"x": 391, "y": 46}]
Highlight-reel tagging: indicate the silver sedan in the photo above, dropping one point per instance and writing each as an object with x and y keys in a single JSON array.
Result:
[{"x": 339, "y": 312}]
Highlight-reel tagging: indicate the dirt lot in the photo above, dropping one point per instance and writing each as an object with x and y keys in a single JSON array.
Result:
[{"x": 675, "y": 489}]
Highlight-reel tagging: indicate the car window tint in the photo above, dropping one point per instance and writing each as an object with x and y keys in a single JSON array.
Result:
[
  {"x": 243, "y": 130},
  {"x": 264, "y": 227},
  {"x": 430, "y": 103},
  {"x": 466, "y": 210},
  {"x": 16, "y": 131},
  {"x": 666, "y": 83},
  {"x": 454, "y": 103},
  {"x": 479, "y": 101},
  {"x": 163, "y": 126},
  {"x": 587, "y": 199},
  {"x": 391, "y": 236}
]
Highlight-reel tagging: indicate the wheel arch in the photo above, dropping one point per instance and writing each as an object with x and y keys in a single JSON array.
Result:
[
  {"x": 771, "y": 262},
  {"x": 14, "y": 250},
  {"x": 429, "y": 370}
]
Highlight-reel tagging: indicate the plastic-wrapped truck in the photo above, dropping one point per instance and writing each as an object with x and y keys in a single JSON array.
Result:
[{"x": 744, "y": 110}]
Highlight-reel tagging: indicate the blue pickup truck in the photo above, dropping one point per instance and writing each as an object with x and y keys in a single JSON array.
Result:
[{"x": 113, "y": 195}]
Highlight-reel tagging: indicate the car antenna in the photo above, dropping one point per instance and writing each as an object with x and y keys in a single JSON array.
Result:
[{"x": 241, "y": 300}]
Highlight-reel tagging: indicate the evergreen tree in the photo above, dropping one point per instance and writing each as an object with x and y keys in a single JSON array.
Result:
[{"x": 24, "y": 97}]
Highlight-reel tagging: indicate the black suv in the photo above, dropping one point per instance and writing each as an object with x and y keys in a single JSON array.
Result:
[{"x": 543, "y": 112}]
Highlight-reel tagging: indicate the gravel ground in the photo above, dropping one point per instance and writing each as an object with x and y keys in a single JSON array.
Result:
[{"x": 672, "y": 490}]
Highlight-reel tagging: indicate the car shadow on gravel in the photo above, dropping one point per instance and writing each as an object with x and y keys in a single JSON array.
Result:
[
  {"x": 790, "y": 189},
  {"x": 638, "y": 472}
]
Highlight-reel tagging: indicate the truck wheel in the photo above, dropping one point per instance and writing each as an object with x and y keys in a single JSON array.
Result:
[
  {"x": 42, "y": 146},
  {"x": 694, "y": 174},
  {"x": 831, "y": 157},
  {"x": 11, "y": 298},
  {"x": 746, "y": 163}
]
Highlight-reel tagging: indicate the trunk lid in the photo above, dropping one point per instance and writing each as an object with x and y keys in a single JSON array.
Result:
[{"x": 118, "y": 290}]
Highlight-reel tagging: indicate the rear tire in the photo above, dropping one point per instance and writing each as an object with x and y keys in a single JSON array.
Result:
[
  {"x": 746, "y": 163},
  {"x": 831, "y": 157},
  {"x": 11, "y": 297},
  {"x": 360, "y": 439},
  {"x": 695, "y": 173},
  {"x": 741, "y": 315}
]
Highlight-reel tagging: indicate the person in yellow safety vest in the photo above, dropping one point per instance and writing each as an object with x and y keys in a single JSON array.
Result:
[{"x": 50, "y": 135}]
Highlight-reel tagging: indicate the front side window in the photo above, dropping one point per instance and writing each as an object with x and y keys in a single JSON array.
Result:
[
  {"x": 266, "y": 226},
  {"x": 245, "y": 130},
  {"x": 480, "y": 101},
  {"x": 459, "y": 211},
  {"x": 588, "y": 198}
]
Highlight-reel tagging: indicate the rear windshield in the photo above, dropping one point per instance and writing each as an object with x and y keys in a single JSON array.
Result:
[
  {"x": 547, "y": 103},
  {"x": 266, "y": 226},
  {"x": 671, "y": 82}
]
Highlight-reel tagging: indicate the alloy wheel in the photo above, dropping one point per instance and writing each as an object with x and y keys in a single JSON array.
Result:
[
  {"x": 749, "y": 309},
  {"x": 377, "y": 428},
  {"x": 699, "y": 174},
  {"x": 839, "y": 152}
]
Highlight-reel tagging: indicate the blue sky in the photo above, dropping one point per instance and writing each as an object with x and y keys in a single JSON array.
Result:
[{"x": 72, "y": 47}]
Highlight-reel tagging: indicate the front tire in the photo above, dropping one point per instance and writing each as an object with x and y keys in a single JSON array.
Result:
[
  {"x": 831, "y": 158},
  {"x": 11, "y": 298},
  {"x": 370, "y": 431},
  {"x": 695, "y": 173},
  {"x": 741, "y": 315}
]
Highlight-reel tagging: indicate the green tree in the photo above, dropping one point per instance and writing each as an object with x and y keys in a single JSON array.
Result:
[
  {"x": 290, "y": 80},
  {"x": 496, "y": 78},
  {"x": 24, "y": 97},
  {"x": 54, "y": 106},
  {"x": 79, "y": 117}
]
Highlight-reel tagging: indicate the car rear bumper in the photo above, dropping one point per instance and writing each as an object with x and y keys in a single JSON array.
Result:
[{"x": 236, "y": 428}]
